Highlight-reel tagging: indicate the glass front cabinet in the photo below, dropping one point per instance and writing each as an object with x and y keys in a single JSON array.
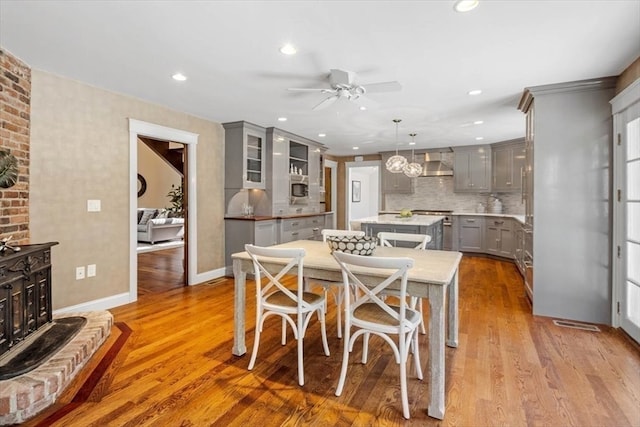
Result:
[{"x": 245, "y": 145}]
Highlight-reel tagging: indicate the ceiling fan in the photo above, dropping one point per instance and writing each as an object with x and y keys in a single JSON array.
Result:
[{"x": 343, "y": 86}]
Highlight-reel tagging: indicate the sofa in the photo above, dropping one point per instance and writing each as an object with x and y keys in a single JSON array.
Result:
[{"x": 155, "y": 226}]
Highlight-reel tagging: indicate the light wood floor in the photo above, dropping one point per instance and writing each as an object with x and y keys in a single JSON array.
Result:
[{"x": 510, "y": 369}]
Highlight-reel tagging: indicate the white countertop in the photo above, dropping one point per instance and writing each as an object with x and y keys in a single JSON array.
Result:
[{"x": 394, "y": 219}]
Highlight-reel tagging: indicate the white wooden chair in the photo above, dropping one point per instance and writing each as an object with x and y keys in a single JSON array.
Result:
[
  {"x": 274, "y": 298},
  {"x": 421, "y": 240},
  {"x": 334, "y": 286},
  {"x": 369, "y": 313}
]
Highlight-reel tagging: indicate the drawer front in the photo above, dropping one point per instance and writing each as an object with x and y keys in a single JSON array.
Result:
[
  {"x": 294, "y": 224},
  {"x": 502, "y": 223},
  {"x": 292, "y": 235}
]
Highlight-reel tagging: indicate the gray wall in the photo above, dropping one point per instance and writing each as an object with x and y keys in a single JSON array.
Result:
[{"x": 571, "y": 246}]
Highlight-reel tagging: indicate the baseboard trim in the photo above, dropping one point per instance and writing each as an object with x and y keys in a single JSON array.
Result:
[
  {"x": 208, "y": 276},
  {"x": 98, "y": 304}
]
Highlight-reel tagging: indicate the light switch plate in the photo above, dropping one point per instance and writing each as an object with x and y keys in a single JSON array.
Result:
[{"x": 93, "y": 205}]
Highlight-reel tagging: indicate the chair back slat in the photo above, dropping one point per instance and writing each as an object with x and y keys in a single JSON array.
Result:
[
  {"x": 394, "y": 268},
  {"x": 260, "y": 255},
  {"x": 385, "y": 238}
]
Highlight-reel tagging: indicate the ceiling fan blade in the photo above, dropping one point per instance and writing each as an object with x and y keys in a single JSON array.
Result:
[
  {"x": 326, "y": 102},
  {"x": 300, "y": 89},
  {"x": 382, "y": 87}
]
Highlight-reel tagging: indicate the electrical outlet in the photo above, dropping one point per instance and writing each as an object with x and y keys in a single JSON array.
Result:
[
  {"x": 79, "y": 273},
  {"x": 91, "y": 270}
]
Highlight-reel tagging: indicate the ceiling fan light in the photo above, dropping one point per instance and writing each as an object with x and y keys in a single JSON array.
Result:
[
  {"x": 396, "y": 164},
  {"x": 412, "y": 170},
  {"x": 465, "y": 5}
]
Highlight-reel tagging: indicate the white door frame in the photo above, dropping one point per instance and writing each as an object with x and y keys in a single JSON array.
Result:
[
  {"x": 347, "y": 181},
  {"x": 140, "y": 128},
  {"x": 625, "y": 99},
  {"x": 334, "y": 189}
]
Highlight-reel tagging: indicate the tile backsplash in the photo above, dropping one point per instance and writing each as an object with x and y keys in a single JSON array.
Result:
[{"x": 436, "y": 193}]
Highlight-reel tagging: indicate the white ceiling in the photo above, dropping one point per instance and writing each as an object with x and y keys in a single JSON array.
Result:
[{"x": 230, "y": 53}]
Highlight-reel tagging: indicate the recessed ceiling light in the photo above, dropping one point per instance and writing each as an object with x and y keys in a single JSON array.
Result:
[
  {"x": 474, "y": 92},
  {"x": 322, "y": 135},
  {"x": 362, "y": 108},
  {"x": 282, "y": 119},
  {"x": 479, "y": 138},
  {"x": 356, "y": 148},
  {"x": 465, "y": 5},
  {"x": 288, "y": 49},
  {"x": 179, "y": 77},
  {"x": 412, "y": 143},
  {"x": 478, "y": 122}
]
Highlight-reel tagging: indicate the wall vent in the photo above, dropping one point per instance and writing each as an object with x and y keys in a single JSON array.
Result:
[{"x": 576, "y": 325}]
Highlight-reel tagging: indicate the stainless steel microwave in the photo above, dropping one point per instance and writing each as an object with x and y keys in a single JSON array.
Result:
[{"x": 299, "y": 191}]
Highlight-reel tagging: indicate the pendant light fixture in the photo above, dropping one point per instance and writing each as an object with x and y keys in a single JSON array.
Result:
[
  {"x": 413, "y": 169},
  {"x": 395, "y": 164}
]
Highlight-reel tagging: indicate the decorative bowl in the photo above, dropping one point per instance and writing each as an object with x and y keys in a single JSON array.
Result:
[{"x": 352, "y": 244}]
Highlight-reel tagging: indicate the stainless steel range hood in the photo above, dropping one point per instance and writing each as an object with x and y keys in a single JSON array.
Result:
[{"x": 433, "y": 166}]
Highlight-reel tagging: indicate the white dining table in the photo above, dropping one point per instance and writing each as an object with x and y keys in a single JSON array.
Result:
[{"x": 434, "y": 277}]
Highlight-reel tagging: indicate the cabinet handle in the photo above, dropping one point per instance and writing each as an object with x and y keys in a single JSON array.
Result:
[
  {"x": 522, "y": 185},
  {"x": 293, "y": 224},
  {"x": 294, "y": 233},
  {"x": 471, "y": 220}
]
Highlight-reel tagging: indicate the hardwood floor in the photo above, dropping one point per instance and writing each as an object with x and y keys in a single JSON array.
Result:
[
  {"x": 160, "y": 271},
  {"x": 510, "y": 369}
]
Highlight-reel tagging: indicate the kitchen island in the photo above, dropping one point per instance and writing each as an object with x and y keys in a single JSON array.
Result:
[{"x": 417, "y": 224}]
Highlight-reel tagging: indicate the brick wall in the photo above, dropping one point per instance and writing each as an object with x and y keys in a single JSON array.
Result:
[{"x": 15, "y": 109}]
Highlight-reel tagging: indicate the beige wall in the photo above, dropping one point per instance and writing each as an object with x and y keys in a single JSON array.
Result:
[{"x": 80, "y": 151}]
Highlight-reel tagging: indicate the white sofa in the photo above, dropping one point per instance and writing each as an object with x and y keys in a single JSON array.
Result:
[{"x": 152, "y": 229}]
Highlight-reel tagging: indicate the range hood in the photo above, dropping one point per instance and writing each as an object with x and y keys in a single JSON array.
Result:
[{"x": 433, "y": 166}]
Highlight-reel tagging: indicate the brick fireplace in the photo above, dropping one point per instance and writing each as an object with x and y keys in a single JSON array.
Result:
[{"x": 15, "y": 119}]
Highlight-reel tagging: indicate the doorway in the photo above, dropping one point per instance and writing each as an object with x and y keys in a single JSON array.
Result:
[
  {"x": 144, "y": 129},
  {"x": 161, "y": 239},
  {"x": 363, "y": 190},
  {"x": 626, "y": 249}
]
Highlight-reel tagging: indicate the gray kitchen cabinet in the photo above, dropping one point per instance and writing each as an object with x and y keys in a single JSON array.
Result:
[
  {"x": 285, "y": 152},
  {"x": 245, "y": 148},
  {"x": 471, "y": 233},
  {"x": 499, "y": 237},
  {"x": 298, "y": 228},
  {"x": 239, "y": 232},
  {"x": 472, "y": 169},
  {"x": 278, "y": 170},
  {"x": 396, "y": 183},
  {"x": 434, "y": 230},
  {"x": 518, "y": 251},
  {"x": 508, "y": 160}
]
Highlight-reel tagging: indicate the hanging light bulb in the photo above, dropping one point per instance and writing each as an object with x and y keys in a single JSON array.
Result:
[
  {"x": 395, "y": 164},
  {"x": 413, "y": 169}
]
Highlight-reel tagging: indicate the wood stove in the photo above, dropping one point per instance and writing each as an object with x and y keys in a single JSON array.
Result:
[{"x": 25, "y": 292}]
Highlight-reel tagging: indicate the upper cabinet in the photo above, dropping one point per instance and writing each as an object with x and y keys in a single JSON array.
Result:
[
  {"x": 245, "y": 144},
  {"x": 472, "y": 169},
  {"x": 508, "y": 166},
  {"x": 397, "y": 183},
  {"x": 292, "y": 159}
]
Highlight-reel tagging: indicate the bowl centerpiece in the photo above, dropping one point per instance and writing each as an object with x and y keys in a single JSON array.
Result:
[{"x": 353, "y": 245}]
